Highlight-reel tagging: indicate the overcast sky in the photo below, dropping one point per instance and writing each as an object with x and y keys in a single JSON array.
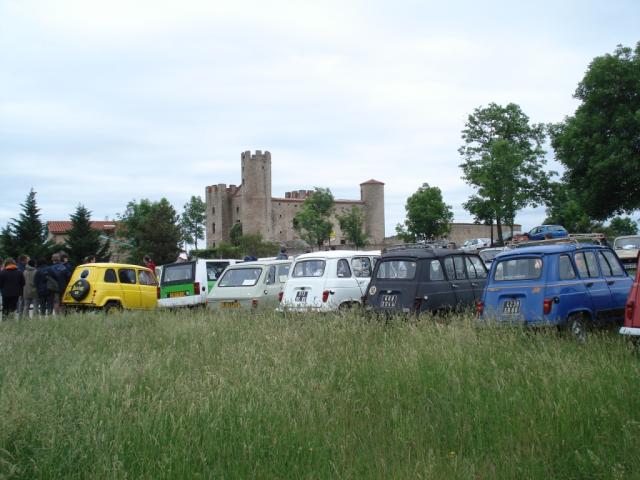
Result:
[{"x": 103, "y": 102}]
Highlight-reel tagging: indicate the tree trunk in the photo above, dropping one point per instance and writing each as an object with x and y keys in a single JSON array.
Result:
[{"x": 499, "y": 228}]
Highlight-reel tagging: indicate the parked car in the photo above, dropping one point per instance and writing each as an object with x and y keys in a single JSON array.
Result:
[
  {"x": 476, "y": 244},
  {"x": 325, "y": 281},
  {"x": 417, "y": 280},
  {"x": 544, "y": 232},
  {"x": 250, "y": 285},
  {"x": 631, "y": 326},
  {"x": 187, "y": 284},
  {"x": 488, "y": 254},
  {"x": 572, "y": 286},
  {"x": 627, "y": 249},
  {"x": 109, "y": 287}
]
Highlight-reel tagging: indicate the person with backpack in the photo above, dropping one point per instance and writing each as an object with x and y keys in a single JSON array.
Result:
[
  {"x": 44, "y": 296},
  {"x": 60, "y": 273}
]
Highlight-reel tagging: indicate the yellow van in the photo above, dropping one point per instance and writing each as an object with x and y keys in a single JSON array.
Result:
[{"x": 111, "y": 286}]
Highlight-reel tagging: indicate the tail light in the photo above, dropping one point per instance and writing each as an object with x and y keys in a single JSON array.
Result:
[
  {"x": 280, "y": 295},
  {"x": 325, "y": 296},
  {"x": 196, "y": 288},
  {"x": 546, "y": 305},
  {"x": 254, "y": 303},
  {"x": 479, "y": 307},
  {"x": 628, "y": 311},
  {"x": 158, "y": 292}
]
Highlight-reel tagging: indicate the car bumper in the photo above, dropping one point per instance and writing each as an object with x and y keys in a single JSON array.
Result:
[{"x": 633, "y": 331}]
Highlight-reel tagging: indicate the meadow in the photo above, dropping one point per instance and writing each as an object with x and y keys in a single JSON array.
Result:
[{"x": 193, "y": 395}]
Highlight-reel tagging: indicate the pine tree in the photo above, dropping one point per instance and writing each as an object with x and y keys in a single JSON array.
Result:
[{"x": 83, "y": 240}]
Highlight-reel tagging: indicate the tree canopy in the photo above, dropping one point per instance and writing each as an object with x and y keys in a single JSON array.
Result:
[
  {"x": 504, "y": 161},
  {"x": 313, "y": 222},
  {"x": 352, "y": 225},
  {"x": 83, "y": 240},
  {"x": 428, "y": 217},
  {"x": 192, "y": 221},
  {"x": 599, "y": 145}
]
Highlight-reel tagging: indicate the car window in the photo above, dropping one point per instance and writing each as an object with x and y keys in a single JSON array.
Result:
[
  {"x": 178, "y": 272},
  {"x": 110, "y": 276},
  {"x": 581, "y": 264},
  {"x": 270, "y": 277},
  {"x": 397, "y": 269},
  {"x": 240, "y": 277},
  {"x": 361, "y": 266},
  {"x": 449, "y": 268},
  {"x": 283, "y": 270},
  {"x": 146, "y": 278},
  {"x": 613, "y": 263},
  {"x": 127, "y": 275},
  {"x": 565, "y": 268},
  {"x": 343, "y": 269},
  {"x": 518, "y": 269},
  {"x": 480, "y": 269},
  {"x": 435, "y": 271},
  {"x": 215, "y": 269},
  {"x": 459, "y": 267},
  {"x": 309, "y": 268},
  {"x": 592, "y": 265}
]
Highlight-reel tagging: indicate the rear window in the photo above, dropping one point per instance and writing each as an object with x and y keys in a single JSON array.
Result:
[
  {"x": 518, "y": 269},
  {"x": 309, "y": 268},
  {"x": 240, "y": 277},
  {"x": 215, "y": 269},
  {"x": 396, "y": 269},
  {"x": 178, "y": 273},
  {"x": 361, "y": 266}
]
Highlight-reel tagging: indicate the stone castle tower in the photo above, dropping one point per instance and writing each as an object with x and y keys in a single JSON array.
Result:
[{"x": 252, "y": 205}]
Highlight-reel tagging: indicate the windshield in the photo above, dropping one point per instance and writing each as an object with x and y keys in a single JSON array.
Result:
[
  {"x": 627, "y": 243},
  {"x": 396, "y": 269},
  {"x": 309, "y": 268},
  {"x": 240, "y": 277},
  {"x": 518, "y": 269}
]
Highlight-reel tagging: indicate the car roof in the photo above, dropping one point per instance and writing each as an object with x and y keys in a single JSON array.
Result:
[
  {"x": 111, "y": 265},
  {"x": 423, "y": 252},
  {"x": 551, "y": 249},
  {"x": 338, "y": 254},
  {"x": 259, "y": 263}
]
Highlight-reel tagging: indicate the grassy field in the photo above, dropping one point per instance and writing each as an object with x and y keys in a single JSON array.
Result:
[{"x": 188, "y": 395}]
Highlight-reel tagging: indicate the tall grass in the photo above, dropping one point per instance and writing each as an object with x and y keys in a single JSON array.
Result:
[{"x": 187, "y": 395}]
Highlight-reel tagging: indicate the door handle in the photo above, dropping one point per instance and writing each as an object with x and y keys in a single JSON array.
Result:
[
  {"x": 454, "y": 285},
  {"x": 589, "y": 284},
  {"x": 610, "y": 282}
]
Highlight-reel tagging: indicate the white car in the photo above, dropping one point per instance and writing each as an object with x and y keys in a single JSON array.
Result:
[
  {"x": 476, "y": 244},
  {"x": 488, "y": 254},
  {"x": 250, "y": 285},
  {"x": 326, "y": 281}
]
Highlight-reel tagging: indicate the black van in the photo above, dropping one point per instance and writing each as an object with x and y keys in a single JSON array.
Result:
[{"x": 416, "y": 278}]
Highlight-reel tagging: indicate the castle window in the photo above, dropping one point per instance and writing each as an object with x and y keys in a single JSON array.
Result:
[
  {"x": 213, "y": 244},
  {"x": 213, "y": 210},
  {"x": 213, "y": 227},
  {"x": 237, "y": 209}
]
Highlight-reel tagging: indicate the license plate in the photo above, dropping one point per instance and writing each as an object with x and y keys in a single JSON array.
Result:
[
  {"x": 234, "y": 304},
  {"x": 388, "y": 301},
  {"x": 176, "y": 294},
  {"x": 511, "y": 307},
  {"x": 301, "y": 296}
]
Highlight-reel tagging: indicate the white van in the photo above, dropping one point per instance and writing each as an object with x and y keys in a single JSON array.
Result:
[
  {"x": 186, "y": 284},
  {"x": 250, "y": 285},
  {"x": 326, "y": 281}
]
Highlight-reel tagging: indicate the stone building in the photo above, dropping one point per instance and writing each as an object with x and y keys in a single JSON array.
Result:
[{"x": 252, "y": 205}]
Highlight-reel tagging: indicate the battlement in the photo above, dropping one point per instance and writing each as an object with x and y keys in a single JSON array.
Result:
[
  {"x": 298, "y": 194},
  {"x": 258, "y": 155},
  {"x": 222, "y": 187}
]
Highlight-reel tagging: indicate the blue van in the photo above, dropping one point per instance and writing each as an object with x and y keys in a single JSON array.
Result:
[{"x": 572, "y": 286}]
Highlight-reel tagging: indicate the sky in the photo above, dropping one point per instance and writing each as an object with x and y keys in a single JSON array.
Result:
[{"x": 104, "y": 102}]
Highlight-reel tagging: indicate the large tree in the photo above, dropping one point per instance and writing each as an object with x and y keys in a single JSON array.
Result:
[
  {"x": 428, "y": 217},
  {"x": 504, "y": 161},
  {"x": 352, "y": 225},
  {"x": 192, "y": 221},
  {"x": 599, "y": 145},
  {"x": 313, "y": 222},
  {"x": 152, "y": 228},
  {"x": 563, "y": 208},
  {"x": 28, "y": 234},
  {"x": 83, "y": 240}
]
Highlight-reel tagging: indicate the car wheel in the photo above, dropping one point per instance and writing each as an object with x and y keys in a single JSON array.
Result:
[
  {"x": 577, "y": 327},
  {"x": 79, "y": 289},
  {"x": 111, "y": 307}
]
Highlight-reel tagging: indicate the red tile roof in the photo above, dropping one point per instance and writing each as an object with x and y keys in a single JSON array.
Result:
[{"x": 60, "y": 227}]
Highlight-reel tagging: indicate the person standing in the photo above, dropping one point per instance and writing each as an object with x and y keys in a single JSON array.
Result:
[
  {"x": 150, "y": 264},
  {"x": 61, "y": 274},
  {"x": 44, "y": 296},
  {"x": 11, "y": 283},
  {"x": 29, "y": 292},
  {"x": 283, "y": 254},
  {"x": 22, "y": 265}
]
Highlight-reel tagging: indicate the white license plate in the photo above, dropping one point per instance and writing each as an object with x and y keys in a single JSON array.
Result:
[
  {"x": 388, "y": 301},
  {"x": 511, "y": 307},
  {"x": 301, "y": 296}
]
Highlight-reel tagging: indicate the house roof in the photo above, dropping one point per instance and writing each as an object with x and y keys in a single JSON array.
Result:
[{"x": 60, "y": 227}]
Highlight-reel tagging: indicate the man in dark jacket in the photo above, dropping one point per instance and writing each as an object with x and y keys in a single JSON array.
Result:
[
  {"x": 44, "y": 296},
  {"x": 62, "y": 275},
  {"x": 11, "y": 283}
]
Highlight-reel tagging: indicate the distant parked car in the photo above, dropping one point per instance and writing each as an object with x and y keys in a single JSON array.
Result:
[
  {"x": 488, "y": 254},
  {"x": 631, "y": 324},
  {"x": 415, "y": 280},
  {"x": 476, "y": 244},
  {"x": 544, "y": 232},
  {"x": 627, "y": 249},
  {"x": 572, "y": 286}
]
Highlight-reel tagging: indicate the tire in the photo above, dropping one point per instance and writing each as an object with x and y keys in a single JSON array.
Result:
[
  {"x": 80, "y": 289},
  {"x": 112, "y": 307},
  {"x": 577, "y": 327}
]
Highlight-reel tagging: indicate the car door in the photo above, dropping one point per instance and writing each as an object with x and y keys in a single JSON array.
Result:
[
  {"x": 595, "y": 283},
  {"x": 130, "y": 287},
  {"x": 477, "y": 274},
  {"x": 271, "y": 288},
  {"x": 148, "y": 289},
  {"x": 618, "y": 282},
  {"x": 454, "y": 267},
  {"x": 434, "y": 291},
  {"x": 345, "y": 286},
  {"x": 362, "y": 269}
]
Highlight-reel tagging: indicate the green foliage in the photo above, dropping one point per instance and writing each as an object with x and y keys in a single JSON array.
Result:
[
  {"x": 28, "y": 234},
  {"x": 312, "y": 221},
  {"x": 428, "y": 217},
  {"x": 599, "y": 145},
  {"x": 153, "y": 229},
  {"x": 619, "y": 226},
  {"x": 192, "y": 221},
  {"x": 227, "y": 250},
  {"x": 563, "y": 208},
  {"x": 82, "y": 240},
  {"x": 252, "y": 245},
  {"x": 352, "y": 225},
  {"x": 503, "y": 160},
  {"x": 235, "y": 232}
]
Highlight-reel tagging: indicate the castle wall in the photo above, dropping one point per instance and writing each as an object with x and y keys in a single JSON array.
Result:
[
  {"x": 255, "y": 205},
  {"x": 372, "y": 194}
]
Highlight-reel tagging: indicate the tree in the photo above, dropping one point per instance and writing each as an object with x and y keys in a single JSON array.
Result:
[
  {"x": 83, "y": 240},
  {"x": 564, "y": 209},
  {"x": 599, "y": 145},
  {"x": 192, "y": 221},
  {"x": 235, "y": 233},
  {"x": 352, "y": 223},
  {"x": 619, "y": 226},
  {"x": 28, "y": 234},
  {"x": 504, "y": 160},
  {"x": 153, "y": 229},
  {"x": 312, "y": 221},
  {"x": 481, "y": 211},
  {"x": 428, "y": 217}
]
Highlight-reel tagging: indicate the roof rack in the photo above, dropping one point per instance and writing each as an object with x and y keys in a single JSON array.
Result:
[
  {"x": 408, "y": 246},
  {"x": 573, "y": 238}
]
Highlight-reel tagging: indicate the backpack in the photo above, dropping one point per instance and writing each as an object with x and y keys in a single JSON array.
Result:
[{"x": 52, "y": 282}]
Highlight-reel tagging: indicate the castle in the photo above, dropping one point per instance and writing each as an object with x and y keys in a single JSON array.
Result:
[{"x": 252, "y": 205}]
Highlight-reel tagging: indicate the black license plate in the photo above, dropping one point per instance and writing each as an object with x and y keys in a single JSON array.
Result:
[
  {"x": 388, "y": 301},
  {"x": 301, "y": 296},
  {"x": 511, "y": 307}
]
